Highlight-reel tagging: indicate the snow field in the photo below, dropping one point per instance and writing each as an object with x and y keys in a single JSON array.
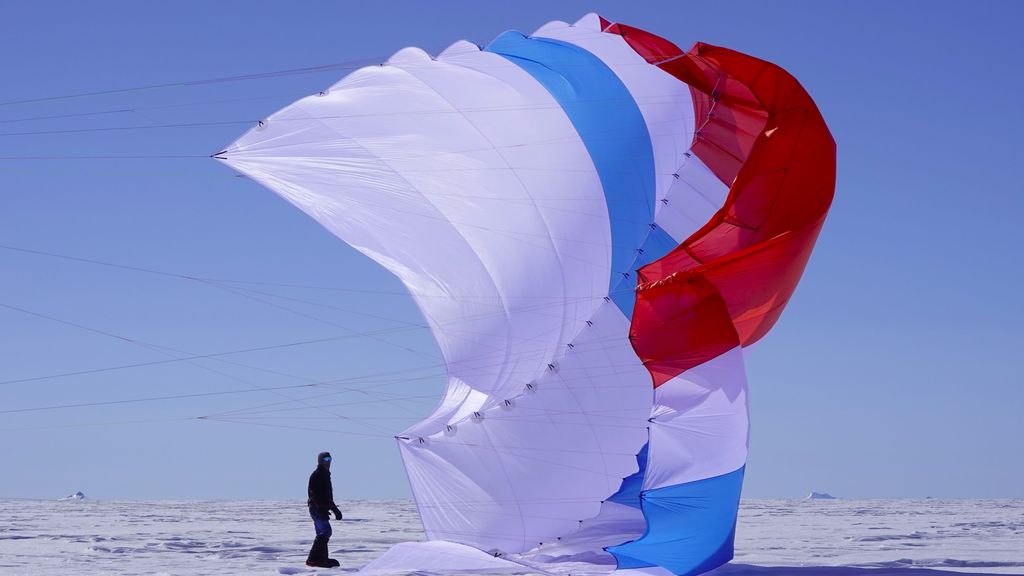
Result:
[{"x": 774, "y": 537}]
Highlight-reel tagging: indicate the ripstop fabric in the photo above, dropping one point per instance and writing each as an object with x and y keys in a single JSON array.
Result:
[{"x": 593, "y": 224}]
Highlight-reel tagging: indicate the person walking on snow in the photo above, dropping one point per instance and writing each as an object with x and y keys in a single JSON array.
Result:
[{"x": 321, "y": 502}]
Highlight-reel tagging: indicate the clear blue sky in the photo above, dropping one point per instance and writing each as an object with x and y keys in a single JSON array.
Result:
[{"x": 895, "y": 371}]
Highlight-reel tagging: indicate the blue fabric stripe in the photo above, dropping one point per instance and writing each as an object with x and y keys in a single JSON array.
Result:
[
  {"x": 657, "y": 244},
  {"x": 690, "y": 527},
  {"x": 629, "y": 491},
  {"x": 613, "y": 130}
]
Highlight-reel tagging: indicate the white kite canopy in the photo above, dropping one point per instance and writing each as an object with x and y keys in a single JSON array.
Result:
[{"x": 516, "y": 190}]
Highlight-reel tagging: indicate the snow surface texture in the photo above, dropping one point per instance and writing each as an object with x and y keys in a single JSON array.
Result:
[{"x": 774, "y": 538}]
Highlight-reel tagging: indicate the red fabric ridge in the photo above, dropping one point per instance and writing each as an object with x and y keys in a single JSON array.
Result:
[{"x": 727, "y": 284}]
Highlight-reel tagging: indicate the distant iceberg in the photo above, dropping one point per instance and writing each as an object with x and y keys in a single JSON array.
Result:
[
  {"x": 820, "y": 496},
  {"x": 75, "y": 496}
]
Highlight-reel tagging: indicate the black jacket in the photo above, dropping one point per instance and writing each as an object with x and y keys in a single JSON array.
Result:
[{"x": 320, "y": 492}]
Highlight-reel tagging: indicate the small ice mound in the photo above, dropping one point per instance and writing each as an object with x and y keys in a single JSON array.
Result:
[
  {"x": 439, "y": 557},
  {"x": 75, "y": 496},
  {"x": 820, "y": 496}
]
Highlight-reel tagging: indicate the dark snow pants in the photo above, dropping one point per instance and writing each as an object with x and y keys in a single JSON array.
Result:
[{"x": 322, "y": 525}]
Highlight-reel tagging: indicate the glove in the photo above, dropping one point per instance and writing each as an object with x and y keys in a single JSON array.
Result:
[{"x": 337, "y": 513}]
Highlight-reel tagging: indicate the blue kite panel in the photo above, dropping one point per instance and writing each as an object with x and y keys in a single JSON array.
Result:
[
  {"x": 629, "y": 491},
  {"x": 657, "y": 244},
  {"x": 690, "y": 527},
  {"x": 608, "y": 121}
]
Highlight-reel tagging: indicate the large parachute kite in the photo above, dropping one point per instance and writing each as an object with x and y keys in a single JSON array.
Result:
[{"x": 594, "y": 223}]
